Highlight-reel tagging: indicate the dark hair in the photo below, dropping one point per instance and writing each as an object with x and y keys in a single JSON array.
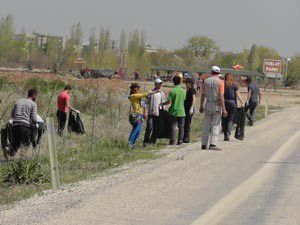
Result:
[
  {"x": 189, "y": 81},
  {"x": 249, "y": 80},
  {"x": 32, "y": 92},
  {"x": 176, "y": 80},
  {"x": 133, "y": 86},
  {"x": 214, "y": 73},
  {"x": 68, "y": 87}
]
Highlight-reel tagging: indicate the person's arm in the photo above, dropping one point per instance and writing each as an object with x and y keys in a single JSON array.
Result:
[
  {"x": 239, "y": 97},
  {"x": 202, "y": 102},
  {"x": 34, "y": 114},
  {"x": 202, "y": 99},
  {"x": 259, "y": 94},
  {"x": 249, "y": 95},
  {"x": 222, "y": 99},
  {"x": 193, "y": 104},
  {"x": 70, "y": 107}
]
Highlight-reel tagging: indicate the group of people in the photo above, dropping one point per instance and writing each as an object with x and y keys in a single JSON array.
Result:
[
  {"x": 28, "y": 126},
  {"x": 219, "y": 104},
  {"x": 181, "y": 111}
]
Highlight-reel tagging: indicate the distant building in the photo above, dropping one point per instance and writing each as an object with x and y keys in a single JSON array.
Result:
[
  {"x": 40, "y": 39},
  {"x": 150, "y": 49}
]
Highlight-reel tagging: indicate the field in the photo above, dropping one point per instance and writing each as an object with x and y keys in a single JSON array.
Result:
[{"x": 77, "y": 161}]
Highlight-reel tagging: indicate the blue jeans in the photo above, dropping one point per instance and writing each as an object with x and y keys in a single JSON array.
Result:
[{"x": 136, "y": 131}]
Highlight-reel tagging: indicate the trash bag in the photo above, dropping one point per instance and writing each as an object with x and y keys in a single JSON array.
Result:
[
  {"x": 75, "y": 124},
  {"x": 240, "y": 129},
  {"x": 164, "y": 128},
  {"x": 6, "y": 137}
]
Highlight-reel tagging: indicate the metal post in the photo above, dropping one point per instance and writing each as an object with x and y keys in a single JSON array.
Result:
[
  {"x": 53, "y": 153},
  {"x": 94, "y": 116}
]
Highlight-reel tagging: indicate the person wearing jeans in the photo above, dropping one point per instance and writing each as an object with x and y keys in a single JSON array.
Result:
[
  {"x": 136, "y": 111},
  {"x": 177, "y": 113},
  {"x": 253, "y": 100},
  {"x": 154, "y": 103}
]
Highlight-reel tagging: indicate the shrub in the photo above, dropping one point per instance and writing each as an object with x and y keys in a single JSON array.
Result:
[{"x": 24, "y": 172}]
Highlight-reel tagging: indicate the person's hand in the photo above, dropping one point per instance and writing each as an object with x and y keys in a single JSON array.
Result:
[
  {"x": 192, "y": 111},
  {"x": 225, "y": 114}
]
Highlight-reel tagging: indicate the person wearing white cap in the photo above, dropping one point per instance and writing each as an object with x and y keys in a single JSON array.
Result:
[
  {"x": 154, "y": 102},
  {"x": 213, "y": 93}
]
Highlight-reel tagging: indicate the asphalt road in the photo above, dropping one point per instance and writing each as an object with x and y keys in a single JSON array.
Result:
[{"x": 251, "y": 182}]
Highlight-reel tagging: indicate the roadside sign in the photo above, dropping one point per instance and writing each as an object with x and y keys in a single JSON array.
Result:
[{"x": 272, "y": 66}]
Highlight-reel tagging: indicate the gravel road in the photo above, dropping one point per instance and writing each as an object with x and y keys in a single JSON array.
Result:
[{"x": 251, "y": 182}]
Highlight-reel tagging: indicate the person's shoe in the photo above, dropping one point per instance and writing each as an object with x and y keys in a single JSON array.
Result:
[
  {"x": 204, "y": 147},
  {"x": 186, "y": 142},
  {"x": 226, "y": 138},
  {"x": 250, "y": 124},
  {"x": 179, "y": 142},
  {"x": 214, "y": 148},
  {"x": 171, "y": 143},
  {"x": 145, "y": 145}
]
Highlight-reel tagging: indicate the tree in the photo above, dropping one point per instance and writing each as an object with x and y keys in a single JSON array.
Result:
[
  {"x": 202, "y": 47},
  {"x": 293, "y": 78},
  {"x": 123, "y": 41},
  {"x": 6, "y": 37},
  {"x": 253, "y": 58},
  {"x": 76, "y": 34}
]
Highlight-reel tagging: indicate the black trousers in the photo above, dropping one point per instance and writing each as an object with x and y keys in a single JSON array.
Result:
[
  {"x": 177, "y": 121},
  {"x": 62, "y": 118},
  {"x": 21, "y": 135},
  {"x": 187, "y": 125},
  {"x": 152, "y": 129}
]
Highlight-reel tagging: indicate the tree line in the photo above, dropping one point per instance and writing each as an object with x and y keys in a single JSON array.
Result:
[{"x": 101, "y": 51}]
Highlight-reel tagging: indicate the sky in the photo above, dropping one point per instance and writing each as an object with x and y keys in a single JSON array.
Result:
[{"x": 233, "y": 24}]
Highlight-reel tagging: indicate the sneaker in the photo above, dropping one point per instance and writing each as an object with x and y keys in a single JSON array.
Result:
[
  {"x": 204, "y": 147},
  {"x": 214, "y": 148},
  {"x": 186, "y": 142}
]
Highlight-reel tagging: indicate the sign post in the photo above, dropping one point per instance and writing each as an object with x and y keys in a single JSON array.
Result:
[{"x": 271, "y": 66}]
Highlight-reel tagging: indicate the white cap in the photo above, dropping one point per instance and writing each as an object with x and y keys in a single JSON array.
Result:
[
  {"x": 158, "y": 81},
  {"x": 216, "y": 69}
]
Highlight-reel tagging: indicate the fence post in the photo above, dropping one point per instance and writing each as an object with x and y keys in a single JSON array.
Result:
[
  {"x": 267, "y": 104},
  {"x": 53, "y": 153}
]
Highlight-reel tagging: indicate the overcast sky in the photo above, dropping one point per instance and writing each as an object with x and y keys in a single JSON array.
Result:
[{"x": 234, "y": 24}]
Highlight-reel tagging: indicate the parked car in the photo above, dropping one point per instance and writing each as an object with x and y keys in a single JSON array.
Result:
[{"x": 97, "y": 73}]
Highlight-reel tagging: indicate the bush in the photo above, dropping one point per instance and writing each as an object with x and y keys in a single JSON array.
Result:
[
  {"x": 24, "y": 172},
  {"x": 44, "y": 86}
]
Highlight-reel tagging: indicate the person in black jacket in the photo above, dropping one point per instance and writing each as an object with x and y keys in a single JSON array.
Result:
[
  {"x": 189, "y": 108},
  {"x": 231, "y": 95}
]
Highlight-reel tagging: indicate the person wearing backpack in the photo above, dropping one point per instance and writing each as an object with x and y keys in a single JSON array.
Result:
[
  {"x": 154, "y": 103},
  {"x": 136, "y": 113}
]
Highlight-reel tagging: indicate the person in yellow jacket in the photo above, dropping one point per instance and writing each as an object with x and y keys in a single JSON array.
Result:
[{"x": 137, "y": 112}]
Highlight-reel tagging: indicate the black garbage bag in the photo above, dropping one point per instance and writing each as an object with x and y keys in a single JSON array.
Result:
[
  {"x": 240, "y": 129},
  {"x": 75, "y": 124},
  {"x": 6, "y": 137},
  {"x": 164, "y": 125}
]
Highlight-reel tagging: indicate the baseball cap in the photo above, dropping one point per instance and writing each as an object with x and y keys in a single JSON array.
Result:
[
  {"x": 158, "y": 81},
  {"x": 216, "y": 69}
]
